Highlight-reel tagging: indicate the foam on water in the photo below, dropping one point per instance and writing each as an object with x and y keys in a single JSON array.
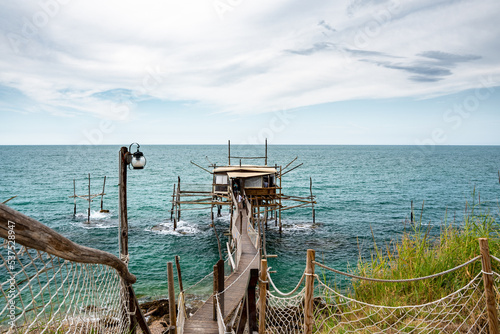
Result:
[
  {"x": 94, "y": 215},
  {"x": 183, "y": 228}
]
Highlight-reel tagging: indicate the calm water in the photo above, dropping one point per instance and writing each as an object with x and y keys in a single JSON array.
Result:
[{"x": 357, "y": 188}]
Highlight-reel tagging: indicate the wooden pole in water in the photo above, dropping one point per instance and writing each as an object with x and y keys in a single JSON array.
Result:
[
  {"x": 266, "y": 153},
  {"x": 309, "y": 293},
  {"x": 122, "y": 199},
  {"x": 102, "y": 196},
  {"x": 74, "y": 197},
  {"x": 171, "y": 298},
  {"x": 229, "y": 152},
  {"x": 312, "y": 199},
  {"x": 262, "y": 297},
  {"x": 179, "y": 276},
  {"x": 88, "y": 215},
  {"x": 498, "y": 176},
  {"x": 411, "y": 213},
  {"x": 179, "y": 198},
  {"x": 281, "y": 226},
  {"x": 265, "y": 216},
  {"x": 488, "y": 286}
]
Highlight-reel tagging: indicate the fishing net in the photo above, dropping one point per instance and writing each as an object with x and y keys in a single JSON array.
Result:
[{"x": 42, "y": 293}]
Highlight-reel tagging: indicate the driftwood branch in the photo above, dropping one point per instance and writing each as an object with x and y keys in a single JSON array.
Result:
[{"x": 33, "y": 234}]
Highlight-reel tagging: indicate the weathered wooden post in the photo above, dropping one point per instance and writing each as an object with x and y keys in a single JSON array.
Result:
[
  {"x": 122, "y": 204},
  {"x": 229, "y": 152},
  {"x": 262, "y": 297},
  {"x": 218, "y": 287},
  {"x": 266, "y": 154},
  {"x": 281, "y": 226},
  {"x": 250, "y": 301},
  {"x": 90, "y": 200},
  {"x": 173, "y": 202},
  {"x": 179, "y": 276},
  {"x": 171, "y": 298},
  {"x": 102, "y": 196},
  {"x": 122, "y": 196},
  {"x": 74, "y": 197},
  {"x": 312, "y": 200},
  {"x": 488, "y": 286},
  {"x": 309, "y": 293},
  {"x": 179, "y": 198},
  {"x": 411, "y": 213}
]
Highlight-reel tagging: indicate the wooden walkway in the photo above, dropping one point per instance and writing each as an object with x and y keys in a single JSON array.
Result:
[{"x": 202, "y": 321}]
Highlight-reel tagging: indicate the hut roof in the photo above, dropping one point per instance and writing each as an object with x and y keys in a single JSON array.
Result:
[{"x": 245, "y": 171}]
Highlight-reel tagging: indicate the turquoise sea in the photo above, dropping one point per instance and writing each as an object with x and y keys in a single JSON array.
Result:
[{"x": 359, "y": 189}]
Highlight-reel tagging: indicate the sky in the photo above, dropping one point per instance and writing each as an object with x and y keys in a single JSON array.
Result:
[{"x": 353, "y": 72}]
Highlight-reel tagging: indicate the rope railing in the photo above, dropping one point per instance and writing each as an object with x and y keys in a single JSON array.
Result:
[
  {"x": 287, "y": 294},
  {"x": 321, "y": 308},
  {"x": 397, "y": 280}
]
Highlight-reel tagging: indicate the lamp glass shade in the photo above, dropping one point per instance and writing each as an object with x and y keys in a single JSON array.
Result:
[{"x": 138, "y": 161}]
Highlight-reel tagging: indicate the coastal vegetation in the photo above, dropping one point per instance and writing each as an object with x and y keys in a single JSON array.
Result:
[
  {"x": 418, "y": 254},
  {"x": 401, "y": 306}
]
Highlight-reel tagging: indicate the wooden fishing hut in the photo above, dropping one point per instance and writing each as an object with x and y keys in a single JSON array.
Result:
[{"x": 260, "y": 188}]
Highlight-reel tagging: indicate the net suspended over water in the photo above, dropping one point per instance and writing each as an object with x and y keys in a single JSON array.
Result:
[{"x": 42, "y": 293}]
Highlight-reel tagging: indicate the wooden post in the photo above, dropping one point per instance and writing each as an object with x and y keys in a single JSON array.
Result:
[
  {"x": 123, "y": 223},
  {"x": 178, "y": 198},
  {"x": 74, "y": 197},
  {"x": 281, "y": 226},
  {"x": 218, "y": 288},
  {"x": 171, "y": 298},
  {"x": 259, "y": 230},
  {"x": 266, "y": 153},
  {"x": 102, "y": 196},
  {"x": 312, "y": 200},
  {"x": 179, "y": 276},
  {"x": 309, "y": 293},
  {"x": 250, "y": 300},
  {"x": 88, "y": 215},
  {"x": 241, "y": 222},
  {"x": 488, "y": 286},
  {"x": 499, "y": 176},
  {"x": 229, "y": 152},
  {"x": 262, "y": 297},
  {"x": 122, "y": 196},
  {"x": 265, "y": 214},
  {"x": 173, "y": 203},
  {"x": 220, "y": 284},
  {"x": 411, "y": 213}
]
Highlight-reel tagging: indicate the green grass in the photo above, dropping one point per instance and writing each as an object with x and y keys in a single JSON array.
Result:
[{"x": 418, "y": 254}]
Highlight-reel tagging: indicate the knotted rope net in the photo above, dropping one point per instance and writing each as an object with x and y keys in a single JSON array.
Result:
[
  {"x": 42, "y": 293},
  {"x": 462, "y": 311}
]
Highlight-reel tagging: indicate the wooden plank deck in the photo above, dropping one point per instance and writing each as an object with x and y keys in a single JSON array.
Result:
[{"x": 202, "y": 321}]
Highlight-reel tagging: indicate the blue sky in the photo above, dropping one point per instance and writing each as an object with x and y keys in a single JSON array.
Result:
[{"x": 202, "y": 72}]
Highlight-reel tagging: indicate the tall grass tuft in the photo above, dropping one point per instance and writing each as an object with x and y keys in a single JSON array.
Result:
[{"x": 419, "y": 254}]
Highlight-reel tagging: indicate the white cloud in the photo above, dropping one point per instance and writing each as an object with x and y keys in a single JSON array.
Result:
[{"x": 241, "y": 60}]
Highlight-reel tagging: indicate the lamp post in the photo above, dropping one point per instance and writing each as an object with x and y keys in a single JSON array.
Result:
[{"x": 138, "y": 161}]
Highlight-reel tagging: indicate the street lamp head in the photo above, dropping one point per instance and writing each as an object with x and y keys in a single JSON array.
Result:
[{"x": 138, "y": 160}]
